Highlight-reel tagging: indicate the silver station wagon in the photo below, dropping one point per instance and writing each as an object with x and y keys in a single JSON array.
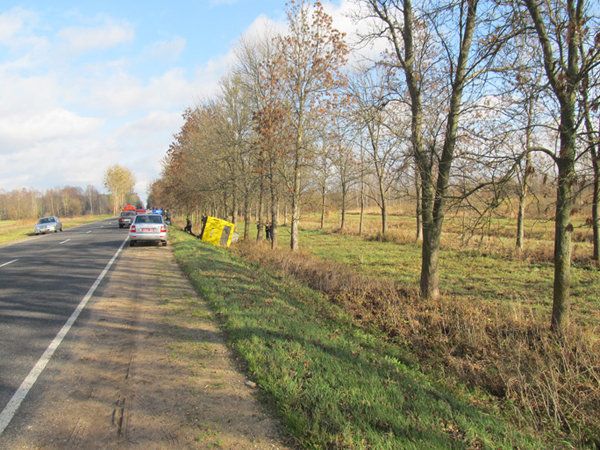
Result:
[{"x": 148, "y": 228}]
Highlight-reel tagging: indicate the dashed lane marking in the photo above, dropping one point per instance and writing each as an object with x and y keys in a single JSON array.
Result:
[{"x": 10, "y": 262}]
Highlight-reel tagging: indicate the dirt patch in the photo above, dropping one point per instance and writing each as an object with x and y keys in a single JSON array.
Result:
[{"x": 148, "y": 369}]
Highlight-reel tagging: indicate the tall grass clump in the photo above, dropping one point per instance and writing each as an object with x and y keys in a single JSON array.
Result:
[{"x": 503, "y": 348}]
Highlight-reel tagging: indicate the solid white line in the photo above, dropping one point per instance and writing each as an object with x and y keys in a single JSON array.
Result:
[
  {"x": 10, "y": 262},
  {"x": 64, "y": 241},
  {"x": 13, "y": 405}
]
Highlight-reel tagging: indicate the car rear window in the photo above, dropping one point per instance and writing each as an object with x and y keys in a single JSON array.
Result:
[{"x": 148, "y": 219}]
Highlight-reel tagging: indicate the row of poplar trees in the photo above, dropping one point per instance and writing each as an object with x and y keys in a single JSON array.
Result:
[{"x": 466, "y": 95}]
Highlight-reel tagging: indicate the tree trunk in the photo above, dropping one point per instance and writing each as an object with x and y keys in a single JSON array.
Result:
[
  {"x": 260, "y": 225},
  {"x": 419, "y": 206},
  {"x": 595, "y": 156},
  {"x": 562, "y": 246},
  {"x": 432, "y": 223},
  {"x": 521, "y": 220},
  {"x": 522, "y": 202},
  {"x": 362, "y": 204},
  {"x": 383, "y": 201},
  {"x": 294, "y": 244},
  {"x": 430, "y": 281},
  {"x": 343, "y": 224},
  {"x": 274, "y": 214},
  {"x": 234, "y": 206},
  {"x": 384, "y": 214},
  {"x": 596, "y": 206},
  {"x": 322, "y": 207},
  {"x": 247, "y": 215}
]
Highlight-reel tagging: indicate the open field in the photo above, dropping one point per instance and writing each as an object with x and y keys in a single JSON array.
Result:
[
  {"x": 17, "y": 230},
  {"x": 485, "y": 268}
]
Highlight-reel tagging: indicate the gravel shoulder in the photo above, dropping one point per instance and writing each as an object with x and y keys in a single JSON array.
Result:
[{"x": 147, "y": 367}]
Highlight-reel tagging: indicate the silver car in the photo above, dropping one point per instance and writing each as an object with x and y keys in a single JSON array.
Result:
[
  {"x": 148, "y": 228},
  {"x": 48, "y": 224}
]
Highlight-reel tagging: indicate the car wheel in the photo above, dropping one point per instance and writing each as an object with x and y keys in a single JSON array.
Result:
[
  {"x": 131, "y": 243},
  {"x": 164, "y": 243}
]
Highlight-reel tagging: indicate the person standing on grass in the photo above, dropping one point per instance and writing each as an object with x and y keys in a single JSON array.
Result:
[
  {"x": 188, "y": 226},
  {"x": 268, "y": 231}
]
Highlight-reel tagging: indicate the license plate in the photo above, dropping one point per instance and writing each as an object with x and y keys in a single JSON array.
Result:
[{"x": 147, "y": 229}]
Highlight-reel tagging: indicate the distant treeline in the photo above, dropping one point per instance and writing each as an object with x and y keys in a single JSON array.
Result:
[{"x": 63, "y": 202}]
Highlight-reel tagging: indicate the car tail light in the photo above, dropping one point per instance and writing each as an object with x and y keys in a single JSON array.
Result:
[
  {"x": 132, "y": 228},
  {"x": 163, "y": 229}
]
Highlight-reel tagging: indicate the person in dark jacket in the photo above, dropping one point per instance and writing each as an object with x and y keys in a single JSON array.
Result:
[
  {"x": 188, "y": 226},
  {"x": 268, "y": 230}
]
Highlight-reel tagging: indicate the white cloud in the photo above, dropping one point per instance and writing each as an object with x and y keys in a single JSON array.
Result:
[
  {"x": 65, "y": 123},
  {"x": 13, "y": 22},
  {"x": 169, "y": 50},
  {"x": 108, "y": 35},
  {"x": 34, "y": 127},
  {"x": 345, "y": 20},
  {"x": 155, "y": 121}
]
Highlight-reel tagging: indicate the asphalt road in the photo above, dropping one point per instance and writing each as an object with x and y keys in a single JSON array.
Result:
[{"x": 42, "y": 282}]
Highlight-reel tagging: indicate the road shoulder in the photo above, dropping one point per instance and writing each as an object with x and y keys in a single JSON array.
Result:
[{"x": 147, "y": 367}]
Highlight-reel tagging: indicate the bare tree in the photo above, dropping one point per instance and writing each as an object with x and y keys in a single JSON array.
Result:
[
  {"x": 562, "y": 29},
  {"x": 423, "y": 60},
  {"x": 312, "y": 55},
  {"x": 373, "y": 114},
  {"x": 343, "y": 159}
]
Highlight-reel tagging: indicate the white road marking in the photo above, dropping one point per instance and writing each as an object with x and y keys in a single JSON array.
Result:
[
  {"x": 64, "y": 241},
  {"x": 13, "y": 405},
  {"x": 88, "y": 232},
  {"x": 10, "y": 262}
]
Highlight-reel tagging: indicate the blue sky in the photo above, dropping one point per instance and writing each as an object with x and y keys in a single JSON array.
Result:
[{"x": 87, "y": 84}]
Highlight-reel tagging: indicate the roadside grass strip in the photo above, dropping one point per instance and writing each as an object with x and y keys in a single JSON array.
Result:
[
  {"x": 17, "y": 230},
  {"x": 334, "y": 385}
]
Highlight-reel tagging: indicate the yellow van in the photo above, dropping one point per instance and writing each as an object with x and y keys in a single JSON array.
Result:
[{"x": 217, "y": 231}]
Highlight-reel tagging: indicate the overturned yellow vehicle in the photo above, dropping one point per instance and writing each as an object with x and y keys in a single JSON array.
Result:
[{"x": 218, "y": 232}]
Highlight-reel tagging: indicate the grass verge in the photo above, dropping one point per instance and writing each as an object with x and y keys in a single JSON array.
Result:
[{"x": 335, "y": 385}]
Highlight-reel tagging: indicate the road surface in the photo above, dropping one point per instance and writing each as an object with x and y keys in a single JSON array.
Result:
[
  {"x": 144, "y": 366},
  {"x": 42, "y": 282}
]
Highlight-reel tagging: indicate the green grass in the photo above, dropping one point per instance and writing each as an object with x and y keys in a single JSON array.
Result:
[
  {"x": 474, "y": 274},
  {"x": 18, "y": 230},
  {"x": 333, "y": 384}
]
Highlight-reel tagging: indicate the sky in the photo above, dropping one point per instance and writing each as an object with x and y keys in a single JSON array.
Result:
[{"x": 88, "y": 84}]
